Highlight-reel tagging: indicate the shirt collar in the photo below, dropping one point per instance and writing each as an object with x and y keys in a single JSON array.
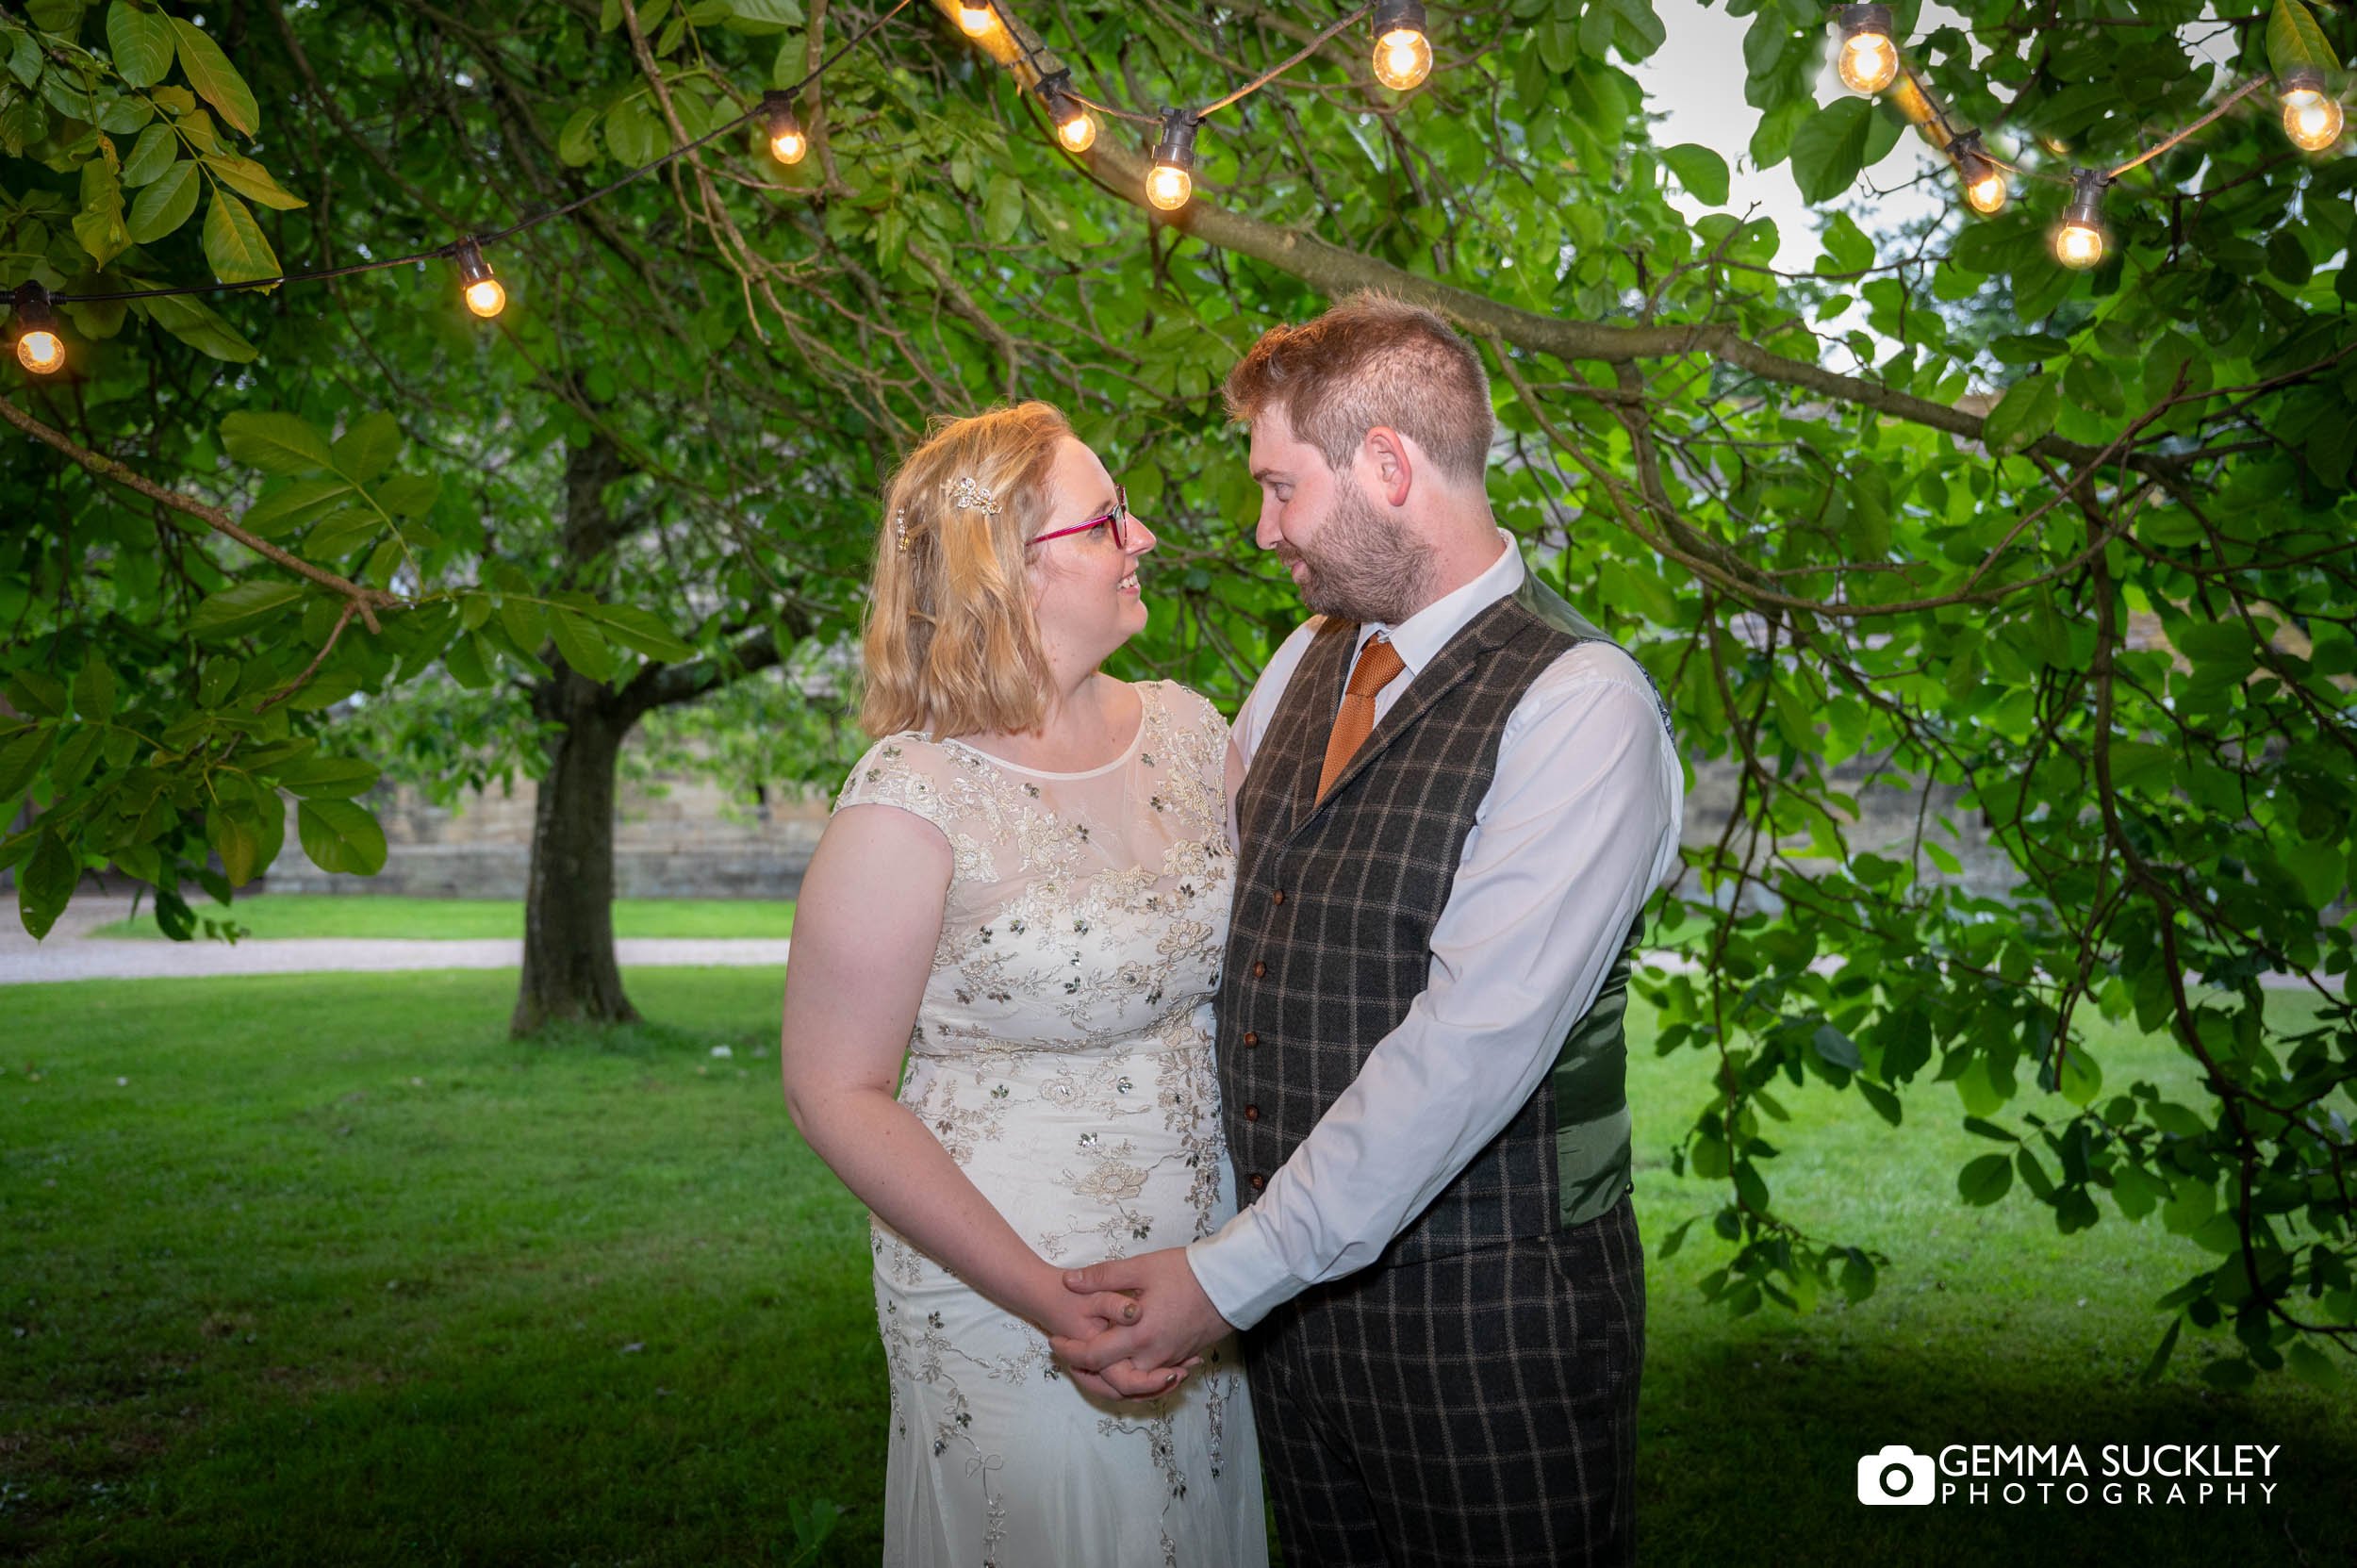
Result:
[{"x": 1422, "y": 636}]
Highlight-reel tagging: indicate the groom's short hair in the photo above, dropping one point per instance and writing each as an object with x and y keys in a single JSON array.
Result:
[{"x": 1372, "y": 360}]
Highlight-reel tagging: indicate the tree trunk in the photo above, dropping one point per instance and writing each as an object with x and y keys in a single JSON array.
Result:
[{"x": 570, "y": 969}]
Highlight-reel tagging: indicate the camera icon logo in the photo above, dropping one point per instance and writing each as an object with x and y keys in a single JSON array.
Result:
[{"x": 1896, "y": 1476}]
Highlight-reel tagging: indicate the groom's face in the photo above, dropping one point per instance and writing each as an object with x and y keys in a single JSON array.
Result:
[{"x": 1348, "y": 556}]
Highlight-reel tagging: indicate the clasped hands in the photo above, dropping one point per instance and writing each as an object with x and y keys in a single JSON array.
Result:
[{"x": 1149, "y": 1346}]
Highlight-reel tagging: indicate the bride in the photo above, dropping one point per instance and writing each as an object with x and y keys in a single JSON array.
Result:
[{"x": 1024, "y": 888}]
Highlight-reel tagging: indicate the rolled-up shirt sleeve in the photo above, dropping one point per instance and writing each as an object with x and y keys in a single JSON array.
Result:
[{"x": 1578, "y": 826}]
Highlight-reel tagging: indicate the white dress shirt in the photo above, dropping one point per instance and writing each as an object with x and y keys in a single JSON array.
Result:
[{"x": 1578, "y": 827}]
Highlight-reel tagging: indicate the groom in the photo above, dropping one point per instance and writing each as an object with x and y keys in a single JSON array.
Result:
[{"x": 1452, "y": 797}]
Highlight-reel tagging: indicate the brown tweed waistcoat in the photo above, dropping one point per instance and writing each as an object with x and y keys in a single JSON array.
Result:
[{"x": 1335, "y": 904}]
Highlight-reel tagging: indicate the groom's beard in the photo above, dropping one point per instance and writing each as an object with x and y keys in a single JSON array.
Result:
[{"x": 1365, "y": 565}]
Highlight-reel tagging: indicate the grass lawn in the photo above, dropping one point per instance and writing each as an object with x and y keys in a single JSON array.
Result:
[
  {"x": 279, "y": 915},
  {"x": 340, "y": 1274}
]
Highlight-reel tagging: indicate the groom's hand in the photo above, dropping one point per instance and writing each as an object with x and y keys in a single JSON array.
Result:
[{"x": 1175, "y": 1321}]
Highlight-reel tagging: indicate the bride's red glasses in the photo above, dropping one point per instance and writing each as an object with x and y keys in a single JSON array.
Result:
[{"x": 1115, "y": 521}]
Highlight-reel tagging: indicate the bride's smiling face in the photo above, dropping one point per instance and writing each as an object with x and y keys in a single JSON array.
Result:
[{"x": 1084, "y": 586}]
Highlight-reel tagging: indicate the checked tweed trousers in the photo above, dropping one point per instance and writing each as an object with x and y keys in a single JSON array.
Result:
[{"x": 1396, "y": 1406}]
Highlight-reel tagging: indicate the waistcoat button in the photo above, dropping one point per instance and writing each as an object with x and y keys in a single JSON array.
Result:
[
  {"x": 1251, "y": 1038},
  {"x": 1256, "y": 1181},
  {"x": 1280, "y": 897},
  {"x": 1252, "y": 1113},
  {"x": 1259, "y": 970}
]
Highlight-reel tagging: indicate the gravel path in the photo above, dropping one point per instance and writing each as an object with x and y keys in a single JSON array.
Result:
[{"x": 70, "y": 954}]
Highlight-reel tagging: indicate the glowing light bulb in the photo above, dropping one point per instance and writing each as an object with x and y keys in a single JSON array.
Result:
[
  {"x": 2079, "y": 242},
  {"x": 2312, "y": 118},
  {"x": 1169, "y": 187},
  {"x": 1079, "y": 133},
  {"x": 484, "y": 294},
  {"x": 1985, "y": 189},
  {"x": 40, "y": 352},
  {"x": 1869, "y": 60},
  {"x": 1171, "y": 183},
  {"x": 1403, "y": 55},
  {"x": 977, "y": 19},
  {"x": 789, "y": 146},
  {"x": 39, "y": 347}
]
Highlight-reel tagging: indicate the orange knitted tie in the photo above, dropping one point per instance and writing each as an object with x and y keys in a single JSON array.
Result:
[{"x": 1377, "y": 663}]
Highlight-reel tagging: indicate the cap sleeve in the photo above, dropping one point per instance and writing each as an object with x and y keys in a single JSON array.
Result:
[{"x": 904, "y": 770}]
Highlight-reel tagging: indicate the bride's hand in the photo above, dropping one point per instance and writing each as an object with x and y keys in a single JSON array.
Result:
[{"x": 1060, "y": 1313}]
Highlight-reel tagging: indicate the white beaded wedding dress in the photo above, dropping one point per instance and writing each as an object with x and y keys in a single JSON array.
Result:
[{"x": 1062, "y": 1055}]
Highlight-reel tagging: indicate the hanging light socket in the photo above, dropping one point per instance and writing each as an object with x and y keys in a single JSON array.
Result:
[
  {"x": 2312, "y": 117},
  {"x": 39, "y": 347},
  {"x": 1171, "y": 181},
  {"x": 1403, "y": 51},
  {"x": 484, "y": 294},
  {"x": 1869, "y": 60},
  {"x": 2079, "y": 241},
  {"x": 787, "y": 141},
  {"x": 1075, "y": 128}
]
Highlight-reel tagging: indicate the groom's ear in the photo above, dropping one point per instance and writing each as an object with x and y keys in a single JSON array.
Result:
[{"x": 1393, "y": 463}]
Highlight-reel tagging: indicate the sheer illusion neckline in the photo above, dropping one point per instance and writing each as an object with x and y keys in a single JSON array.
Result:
[{"x": 1136, "y": 742}]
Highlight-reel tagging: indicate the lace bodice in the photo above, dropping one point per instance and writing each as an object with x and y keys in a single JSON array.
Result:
[{"x": 1084, "y": 909}]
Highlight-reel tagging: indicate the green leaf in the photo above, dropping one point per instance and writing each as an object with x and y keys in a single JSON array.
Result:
[
  {"x": 239, "y": 843},
  {"x": 164, "y": 206},
  {"x": 215, "y": 79},
  {"x": 275, "y": 443},
  {"x": 583, "y": 648},
  {"x": 140, "y": 42},
  {"x": 578, "y": 142},
  {"x": 32, "y": 692},
  {"x": 2080, "y": 1079},
  {"x": 1829, "y": 151},
  {"x": 94, "y": 691},
  {"x": 1984, "y": 1180},
  {"x": 250, "y": 179},
  {"x": 285, "y": 510},
  {"x": 340, "y": 836},
  {"x": 1002, "y": 208},
  {"x": 367, "y": 447},
  {"x": 634, "y": 134},
  {"x": 526, "y": 621},
  {"x": 341, "y": 532},
  {"x": 2022, "y": 416},
  {"x": 45, "y": 885},
  {"x": 2294, "y": 39},
  {"x": 1701, "y": 172},
  {"x": 234, "y": 242},
  {"x": 640, "y": 630},
  {"x": 99, "y": 225},
  {"x": 1885, "y": 1104},
  {"x": 21, "y": 756},
  {"x": 1836, "y": 1048},
  {"x": 409, "y": 495},
  {"x": 150, "y": 156},
  {"x": 327, "y": 778},
  {"x": 243, "y": 608},
  {"x": 197, "y": 324}
]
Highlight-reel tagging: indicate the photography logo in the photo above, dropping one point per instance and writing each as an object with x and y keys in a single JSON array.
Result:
[
  {"x": 1897, "y": 1475},
  {"x": 2142, "y": 1475}
]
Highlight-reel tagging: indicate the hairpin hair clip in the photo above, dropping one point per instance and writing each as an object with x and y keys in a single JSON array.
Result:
[
  {"x": 901, "y": 531},
  {"x": 967, "y": 491}
]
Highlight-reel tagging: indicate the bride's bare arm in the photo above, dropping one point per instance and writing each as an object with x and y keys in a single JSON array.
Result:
[{"x": 864, "y": 929}]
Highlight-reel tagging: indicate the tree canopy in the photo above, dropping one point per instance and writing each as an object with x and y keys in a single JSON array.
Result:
[{"x": 2071, "y": 548}]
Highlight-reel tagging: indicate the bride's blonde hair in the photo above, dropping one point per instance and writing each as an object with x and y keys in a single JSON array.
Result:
[{"x": 952, "y": 647}]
